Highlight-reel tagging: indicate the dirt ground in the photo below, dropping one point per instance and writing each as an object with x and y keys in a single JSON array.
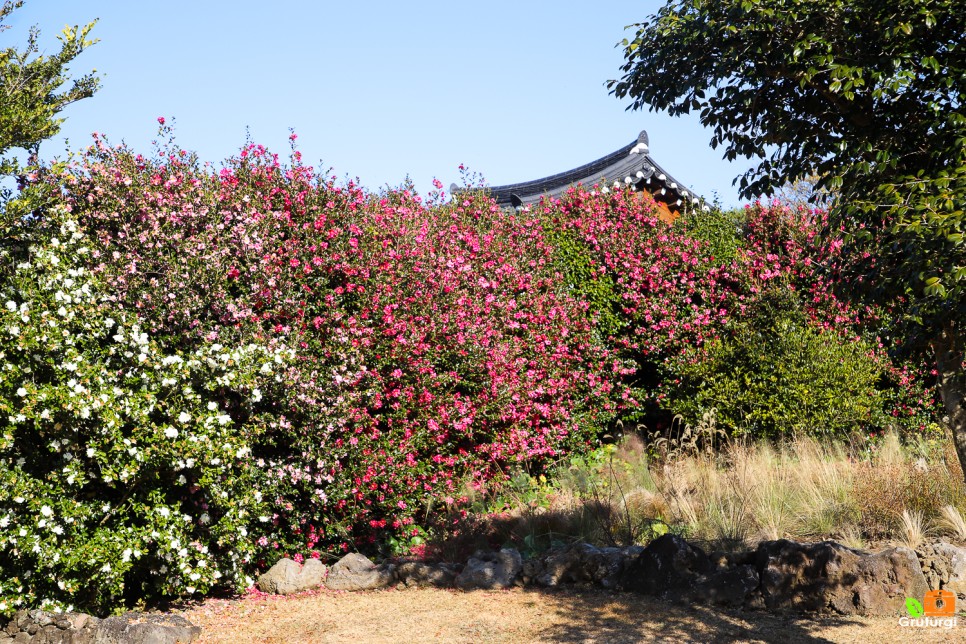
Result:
[{"x": 429, "y": 615}]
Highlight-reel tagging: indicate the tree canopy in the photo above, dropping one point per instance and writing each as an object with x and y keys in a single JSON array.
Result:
[
  {"x": 869, "y": 96},
  {"x": 32, "y": 83}
]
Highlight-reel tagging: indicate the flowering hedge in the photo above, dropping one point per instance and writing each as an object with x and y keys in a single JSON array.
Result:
[
  {"x": 434, "y": 343},
  {"x": 205, "y": 367}
]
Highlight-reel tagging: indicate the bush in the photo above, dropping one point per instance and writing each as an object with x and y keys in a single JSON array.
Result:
[
  {"x": 434, "y": 344},
  {"x": 204, "y": 368},
  {"x": 124, "y": 478},
  {"x": 730, "y": 311},
  {"x": 774, "y": 373}
]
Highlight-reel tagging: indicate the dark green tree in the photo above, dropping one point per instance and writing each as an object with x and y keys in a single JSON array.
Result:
[
  {"x": 31, "y": 94},
  {"x": 869, "y": 96}
]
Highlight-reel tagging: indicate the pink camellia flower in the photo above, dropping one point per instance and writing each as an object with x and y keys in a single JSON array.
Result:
[{"x": 161, "y": 120}]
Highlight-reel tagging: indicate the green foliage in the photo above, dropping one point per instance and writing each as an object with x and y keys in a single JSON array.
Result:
[
  {"x": 722, "y": 231},
  {"x": 31, "y": 85},
  {"x": 585, "y": 278},
  {"x": 774, "y": 374}
]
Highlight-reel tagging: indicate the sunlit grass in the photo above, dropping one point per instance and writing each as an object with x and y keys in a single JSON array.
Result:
[{"x": 803, "y": 489}]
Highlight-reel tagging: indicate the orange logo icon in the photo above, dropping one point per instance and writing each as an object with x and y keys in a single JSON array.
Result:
[{"x": 939, "y": 603}]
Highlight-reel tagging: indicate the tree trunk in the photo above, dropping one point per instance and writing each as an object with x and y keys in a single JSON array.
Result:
[{"x": 952, "y": 385}]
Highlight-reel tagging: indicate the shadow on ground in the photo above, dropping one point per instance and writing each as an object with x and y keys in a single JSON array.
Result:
[{"x": 597, "y": 616}]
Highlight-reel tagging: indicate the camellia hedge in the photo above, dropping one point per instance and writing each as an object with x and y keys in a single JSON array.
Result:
[{"x": 205, "y": 367}]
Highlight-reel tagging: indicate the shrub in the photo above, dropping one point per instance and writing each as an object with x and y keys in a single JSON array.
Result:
[
  {"x": 207, "y": 367},
  {"x": 123, "y": 475},
  {"x": 434, "y": 343},
  {"x": 730, "y": 311},
  {"x": 773, "y": 373}
]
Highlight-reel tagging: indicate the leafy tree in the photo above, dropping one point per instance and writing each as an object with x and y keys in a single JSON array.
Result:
[
  {"x": 31, "y": 86},
  {"x": 865, "y": 94}
]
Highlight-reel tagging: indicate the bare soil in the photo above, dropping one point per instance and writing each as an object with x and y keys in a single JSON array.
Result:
[{"x": 430, "y": 615}]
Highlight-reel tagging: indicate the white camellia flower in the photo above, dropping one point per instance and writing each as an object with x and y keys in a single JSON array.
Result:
[
  {"x": 184, "y": 417},
  {"x": 171, "y": 432},
  {"x": 256, "y": 395},
  {"x": 21, "y": 392},
  {"x": 46, "y": 511}
]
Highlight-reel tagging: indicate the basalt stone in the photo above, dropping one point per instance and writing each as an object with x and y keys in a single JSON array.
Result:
[
  {"x": 143, "y": 628},
  {"x": 581, "y": 564},
  {"x": 357, "y": 572},
  {"x": 41, "y": 627},
  {"x": 287, "y": 577},
  {"x": 828, "y": 577},
  {"x": 491, "y": 570},
  {"x": 556, "y": 567},
  {"x": 944, "y": 567},
  {"x": 731, "y": 586},
  {"x": 530, "y": 570},
  {"x": 417, "y": 573},
  {"x": 669, "y": 567}
]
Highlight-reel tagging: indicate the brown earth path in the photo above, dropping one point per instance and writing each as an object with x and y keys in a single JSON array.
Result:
[{"x": 518, "y": 616}]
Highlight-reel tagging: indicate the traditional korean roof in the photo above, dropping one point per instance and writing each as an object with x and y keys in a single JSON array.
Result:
[{"x": 631, "y": 167}]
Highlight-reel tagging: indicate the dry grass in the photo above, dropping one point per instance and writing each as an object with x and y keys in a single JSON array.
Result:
[
  {"x": 851, "y": 537},
  {"x": 519, "y": 616},
  {"x": 803, "y": 489},
  {"x": 952, "y": 522},
  {"x": 912, "y": 529}
]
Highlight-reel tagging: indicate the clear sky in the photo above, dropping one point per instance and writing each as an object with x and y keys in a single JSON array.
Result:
[{"x": 376, "y": 90}]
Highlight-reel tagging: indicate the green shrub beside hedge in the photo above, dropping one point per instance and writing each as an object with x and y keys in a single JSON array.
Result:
[{"x": 773, "y": 373}]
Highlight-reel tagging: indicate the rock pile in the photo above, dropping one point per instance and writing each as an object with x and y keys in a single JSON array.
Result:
[
  {"x": 778, "y": 576},
  {"x": 41, "y": 627}
]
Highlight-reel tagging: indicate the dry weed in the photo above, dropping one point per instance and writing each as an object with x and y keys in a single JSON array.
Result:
[
  {"x": 951, "y": 521},
  {"x": 912, "y": 528}
]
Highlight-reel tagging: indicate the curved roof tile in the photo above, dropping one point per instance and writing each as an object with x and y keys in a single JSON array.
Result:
[{"x": 631, "y": 165}]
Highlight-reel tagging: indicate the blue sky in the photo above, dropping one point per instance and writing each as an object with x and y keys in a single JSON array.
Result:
[{"x": 375, "y": 90}]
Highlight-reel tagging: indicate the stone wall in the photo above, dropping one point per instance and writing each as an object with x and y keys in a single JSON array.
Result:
[{"x": 777, "y": 576}]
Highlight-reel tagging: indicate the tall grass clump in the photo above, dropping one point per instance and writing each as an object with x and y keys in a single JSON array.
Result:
[{"x": 803, "y": 488}]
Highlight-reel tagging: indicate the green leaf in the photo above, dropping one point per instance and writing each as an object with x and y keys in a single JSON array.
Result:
[{"x": 914, "y": 607}]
